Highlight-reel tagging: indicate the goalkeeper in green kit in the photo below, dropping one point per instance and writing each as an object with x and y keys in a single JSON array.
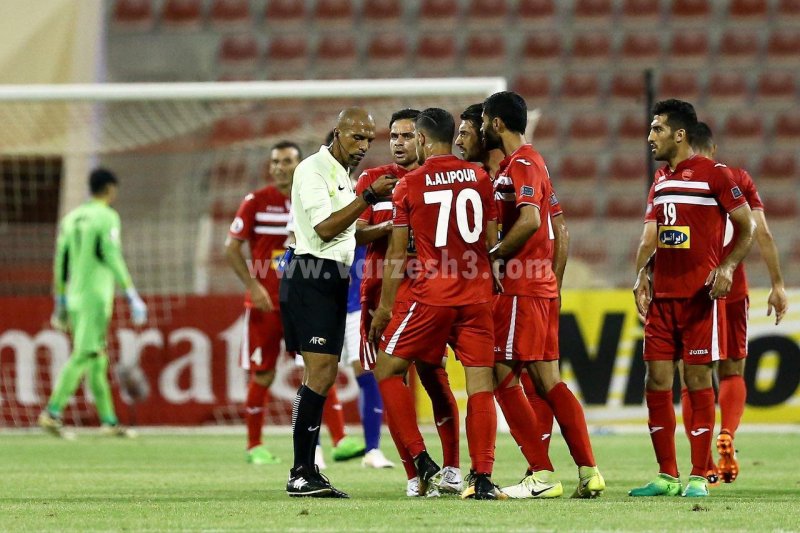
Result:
[{"x": 88, "y": 262}]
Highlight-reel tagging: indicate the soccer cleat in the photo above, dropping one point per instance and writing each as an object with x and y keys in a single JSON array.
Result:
[
  {"x": 697, "y": 487},
  {"x": 712, "y": 477},
  {"x": 412, "y": 489},
  {"x": 118, "y": 431},
  {"x": 51, "y": 424},
  {"x": 663, "y": 485},
  {"x": 590, "y": 483},
  {"x": 375, "y": 459},
  {"x": 428, "y": 472},
  {"x": 536, "y": 485},
  {"x": 728, "y": 465},
  {"x": 348, "y": 448},
  {"x": 259, "y": 455},
  {"x": 305, "y": 482},
  {"x": 483, "y": 489},
  {"x": 451, "y": 482},
  {"x": 319, "y": 458}
]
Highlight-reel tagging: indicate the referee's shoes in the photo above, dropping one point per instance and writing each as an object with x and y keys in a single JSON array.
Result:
[{"x": 308, "y": 482}]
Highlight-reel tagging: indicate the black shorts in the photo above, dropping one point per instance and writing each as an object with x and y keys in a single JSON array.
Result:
[{"x": 313, "y": 298}]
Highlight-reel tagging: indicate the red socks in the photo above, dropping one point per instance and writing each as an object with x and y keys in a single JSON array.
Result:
[
  {"x": 445, "y": 410},
  {"x": 544, "y": 415},
  {"x": 732, "y": 397},
  {"x": 398, "y": 402},
  {"x": 333, "y": 416},
  {"x": 661, "y": 421},
  {"x": 569, "y": 414},
  {"x": 702, "y": 432},
  {"x": 405, "y": 457},
  {"x": 257, "y": 398},
  {"x": 524, "y": 427},
  {"x": 481, "y": 431}
]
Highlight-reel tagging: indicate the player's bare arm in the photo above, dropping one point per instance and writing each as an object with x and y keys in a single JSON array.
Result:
[
  {"x": 367, "y": 233},
  {"x": 340, "y": 220},
  {"x": 644, "y": 256},
  {"x": 526, "y": 225},
  {"x": 560, "y": 247},
  {"x": 392, "y": 277},
  {"x": 721, "y": 278},
  {"x": 235, "y": 256},
  {"x": 491, "y": 242},
  {"x": 777, "y": 299}
]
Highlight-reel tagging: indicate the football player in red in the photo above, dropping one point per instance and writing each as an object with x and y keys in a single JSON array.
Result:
[{"x": 684, "y": 318}]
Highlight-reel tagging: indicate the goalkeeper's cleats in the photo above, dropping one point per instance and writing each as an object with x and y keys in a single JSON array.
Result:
[
  {"x": 115, "y": 430},
  {"x": 696, "y": 487},
  {"x": 728, "y": 465},
  {"x": 663, "y": 485},
  {"x": 590, "y": 483},
  {"x": 348, "y": 448},
  {"x": 53, "y": 425},
  {"x": 483, "y": 489},
  {"x": 259, "y": 455},
  {"x": 535, "y": 485}
]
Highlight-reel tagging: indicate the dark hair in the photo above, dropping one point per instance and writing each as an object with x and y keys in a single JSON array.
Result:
[
  {"x": 329, "y": 138},
  {"x": 474, "y": 114},
  {"x": 404, "y": 114},
  {"x": 282, "y": 145},
  {"x": 700, "y": 137},
  {"x": 509, "y": 107},
  {"x": 437, "y": 123},
  {"x": 100, "y": 179},
  {"x": 680, "y": 114}
]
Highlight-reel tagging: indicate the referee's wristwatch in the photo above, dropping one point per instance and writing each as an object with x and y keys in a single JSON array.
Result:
[{"x": 369, "y": 196}]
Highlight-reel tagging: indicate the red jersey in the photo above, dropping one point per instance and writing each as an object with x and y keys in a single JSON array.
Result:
[
  {"x": 523, "y": 179},
  {"x": 376, "y": 214},
  {"x": 743, "y": 179},
  {"x": 261, "y": 221},
  {"x": 448, "y": 203},
  {"x": 689, "y": 206}
]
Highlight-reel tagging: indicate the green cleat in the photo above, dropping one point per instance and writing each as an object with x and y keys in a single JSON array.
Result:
[
  {"x": 663, "y": 485},
  {"x": 590, "y": 483},
  {"x": 348, "y": 448},
  {"x": 696, "y": 488},
  {"x": 259, "y": 455}
]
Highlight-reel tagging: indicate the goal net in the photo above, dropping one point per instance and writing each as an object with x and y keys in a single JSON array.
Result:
[{"x": 186, "y": 154}]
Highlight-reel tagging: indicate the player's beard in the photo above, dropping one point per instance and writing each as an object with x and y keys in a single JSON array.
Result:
[{"x": 491, "y": 141}]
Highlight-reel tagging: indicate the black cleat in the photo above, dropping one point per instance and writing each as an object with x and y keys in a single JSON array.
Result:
[
  {"x": 427, "y": 471},
  {"x": 483, "y": 489},
  {"x": 306, "y": 481}
]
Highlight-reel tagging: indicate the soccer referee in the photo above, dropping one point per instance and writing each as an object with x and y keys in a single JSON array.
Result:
[{"x": 313, "y": 290}]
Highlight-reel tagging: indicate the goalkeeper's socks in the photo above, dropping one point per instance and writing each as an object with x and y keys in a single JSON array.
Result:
[
  {"x": 523, "y": 425},
  {"x": 544, "y": 414},
  {"x": 481, "y": 431},
  {"x": 306, "y": 419},
  {"x": 399, "y": 404},
  {"x": 371, "y": 410},
  {"x": 333, "y": 415},
  {"x": 98, "y": 382},
  {"x": 257, "y": 397},
  {"x": 445, "y": 410},
  {"x": 569, "y": 414},
  {"x": 661, "y": 421}
]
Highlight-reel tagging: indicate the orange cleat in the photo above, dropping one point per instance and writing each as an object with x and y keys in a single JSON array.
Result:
[{"x": 728, "y": 465}]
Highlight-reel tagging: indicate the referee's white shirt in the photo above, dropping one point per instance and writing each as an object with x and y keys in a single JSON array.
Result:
[{"x": 322, "y": 186}]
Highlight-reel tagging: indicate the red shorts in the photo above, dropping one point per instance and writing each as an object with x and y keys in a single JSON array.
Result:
[
  {"x": 370, "y": 299},
  {"x": 692, "y": 329},
  {"x": 261, "y": 340},
  {"x": 525, "y": 328},
  {"x": 736, "y": 315},
  {"x": 421, "y": 332}
]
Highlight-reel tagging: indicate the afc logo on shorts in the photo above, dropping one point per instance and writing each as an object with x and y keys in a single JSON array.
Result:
[{"x": 319, "y": 341}]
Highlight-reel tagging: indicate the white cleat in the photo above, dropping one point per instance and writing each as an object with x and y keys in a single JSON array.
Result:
[
  {"x": 537, "y": 485},
  {"x": 451, "y": 482},
  {"x": 376, "y": 459},
  {"x": 54, "y": 426},
  {"x": 412, "y": 489},
  {"x": 118, "y": 431},
  {"x": 319, "y": 459}
]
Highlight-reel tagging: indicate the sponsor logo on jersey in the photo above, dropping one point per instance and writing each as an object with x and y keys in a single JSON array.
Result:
[
  {"x": 737, "y": 192},
  {"x": 674, "y": 237},
  {"x": 526, "y": 190}
]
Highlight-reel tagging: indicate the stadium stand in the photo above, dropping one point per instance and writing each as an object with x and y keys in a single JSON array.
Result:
[
  {"x": 230, "y": 14},
  {"x": 133, "y": 15},
  {"x": 182, "y": 14}
]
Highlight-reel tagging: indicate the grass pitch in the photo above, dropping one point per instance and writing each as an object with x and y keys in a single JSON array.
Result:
[{"x": 194, "y": 482}]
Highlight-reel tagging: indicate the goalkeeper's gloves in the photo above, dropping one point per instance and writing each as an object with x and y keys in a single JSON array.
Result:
[
  {"x": 137, "y": 307},
  {"x": 58, "y": 319}
]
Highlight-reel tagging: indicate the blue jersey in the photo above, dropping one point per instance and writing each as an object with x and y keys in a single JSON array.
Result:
[{"x": 356, "y": 273}]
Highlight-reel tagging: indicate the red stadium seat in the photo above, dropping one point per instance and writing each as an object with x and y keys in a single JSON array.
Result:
[
  {"x": 438, "y": 14},
  {"x": 788, "y": 12},
  {"x": 382, "y": 12},
  {"x": 780, "y": 206},
  {"x": 534, "y": 88},
  {"x": 238, "y": 50},
  {"x": 578, "y": 207},
  {"x": 688, "y": 49},
  {"x": 541, "y": 50},
  {"x": 579, "y": 89},
  {"x": 628, "y": 169},
  {"x": 536, "y": 12},
  {"x": 641, "y": 13},
  {"x": 783, "y": 47},
  {"x": 436, "y": 55},
  {"x": 578, "y": 168},
  {"x": 640, "y": 49},
  {"x": 485, "y": 55},
  {"x": 781, "y": 166},
  {"x": 632, "y": 129},
  {"x": 280, "y": 124},
  {"x": 334, "y": 12},
  {"x": 592, "y": 49},
  {"x": 133, "y": 15},
  {"x": 743, "y": 128},
  {"x": 691, "y": 10},
  {"x": 183, "y": 14},
  {"x": 387, "y": 55},
  {"x": 285, "y": 14},
  {"x": 748, "y": 11},
  {"x": 546, "y": 132},
  {"x": 739, "y": 48},
  {"x": 727, "y": 87},
  {"x": 628, "y": 87},
  {"x": 592, "y": 12},
  {"x": 287, "y": 57},
  {"x": 626, "y": 208},
  {"x": 683, "y": 85},
  {"x": 232, "y": 130},
  {"x": 787, "y": 128},
  {"x": 230, "y": 14},
  {"x": 776, "y": 86},
  {"x": 585, "y": 129},
  {"x": 487, "y": 14},
  {"x": 336, "y": 53}
]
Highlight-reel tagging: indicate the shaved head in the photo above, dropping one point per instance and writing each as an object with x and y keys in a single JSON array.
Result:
[
  {"x": 353, "y": 115},
  {"x": 352, "y": 136}
]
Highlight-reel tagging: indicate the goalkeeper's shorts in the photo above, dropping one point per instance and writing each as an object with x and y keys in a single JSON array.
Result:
[{"x": 88, "y": 323}]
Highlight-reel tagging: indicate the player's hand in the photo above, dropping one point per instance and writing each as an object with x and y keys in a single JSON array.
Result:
[
  {"x": 777, "y": 300},
  {"x": 137, "y": 307},
  {"x": 498, "y": 285},
  {"x": 58, "y": 320},
  {"x": 260, "y": 298},
  {"x": 384, "y": 185},
  {"x": 380, "y": 319},
  {"x": 720, "y": 279},
  {"x": 642, "y": 294}
]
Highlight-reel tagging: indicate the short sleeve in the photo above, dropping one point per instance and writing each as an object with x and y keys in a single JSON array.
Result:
[
  {"x": 314, "y": 197},
  {"x": 528, "y": 179},
  {"x": 242, "y": 225},
  {"x": 363, "y": 182},
  {"x": 724, "y": 187},
  {"x": 650, "y": 212},
  {"x": 749, "y": 189},
  {"x": 400, "y": 204}
]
